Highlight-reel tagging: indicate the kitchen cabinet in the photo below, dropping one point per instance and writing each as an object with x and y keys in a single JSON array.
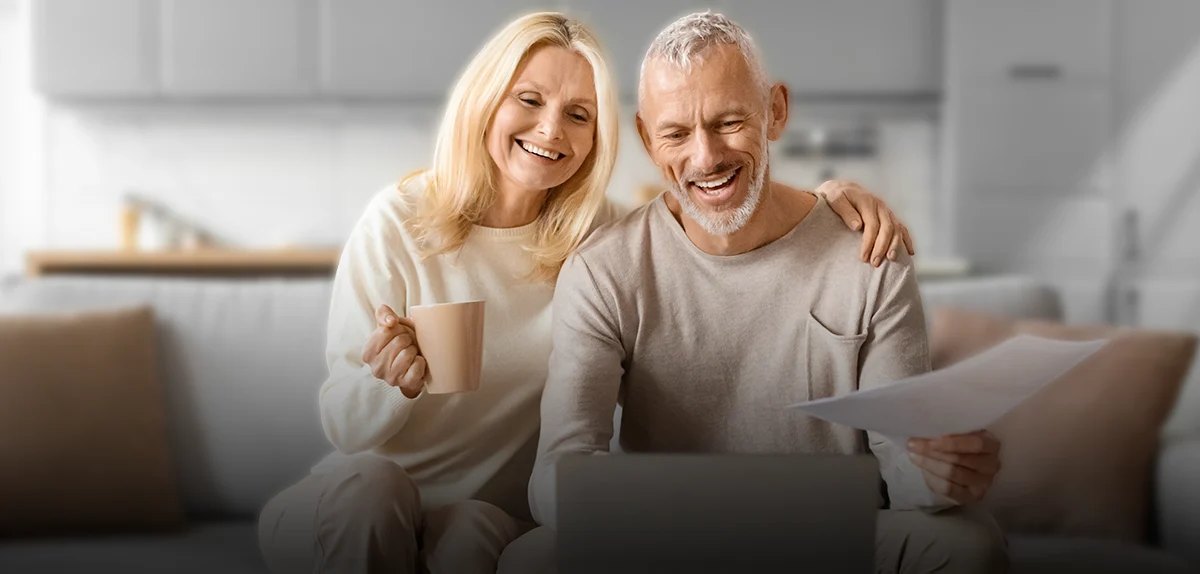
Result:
[
  {"x": 88, "y": 48},
  {"x": 1039, "y": 133},
  {"x": 1031, "y": 40},
  {"x": 1032, "y": 139},
  {"x": 404, "y": 48},
  {"x": 1000, "y": 230},
  {"x": 238, "y": 48},
  {"x": 815, "y": 46},
  {"x": 625, "y": 37},
  {"x": 820, "y": 47},
  {"x": 1028, "y": 136},
  {"x": 409, "y": 50}
]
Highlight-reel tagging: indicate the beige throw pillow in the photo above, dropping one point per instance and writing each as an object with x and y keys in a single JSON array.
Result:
[
  {"x": 83, "y": 438},
  {"x": 1078, "y": 457}
]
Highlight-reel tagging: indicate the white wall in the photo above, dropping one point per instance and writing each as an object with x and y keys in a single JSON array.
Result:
[
  {"x": 8, "y": 138},
  {"x": 257, "y": 176},
  {"x": 1158, "y": 109},
  {"x": 19, "y": 138},
  {"x": 1158, "y": 70},
  {"x": 266, "y": 175}
]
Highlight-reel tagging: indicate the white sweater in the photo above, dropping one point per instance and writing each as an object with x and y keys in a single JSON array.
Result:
[{"x": 477, "y": 445}]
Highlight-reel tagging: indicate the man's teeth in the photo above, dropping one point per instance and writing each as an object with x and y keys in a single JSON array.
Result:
[
  {"x": 539, "y": 151},
  {"x": 707, "y": 185}
]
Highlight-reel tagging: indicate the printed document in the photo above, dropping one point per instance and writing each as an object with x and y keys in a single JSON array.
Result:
[{"x": 964, "y": 397}]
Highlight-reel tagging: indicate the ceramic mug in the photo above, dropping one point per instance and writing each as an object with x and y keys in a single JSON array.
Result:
[{"x": 450, "y": 337}]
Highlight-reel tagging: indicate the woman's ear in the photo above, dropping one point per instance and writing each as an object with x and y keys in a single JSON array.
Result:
[{"x": 779, "y": 111}]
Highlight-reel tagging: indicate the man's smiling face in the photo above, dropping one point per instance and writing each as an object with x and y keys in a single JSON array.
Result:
[{"x": 708, "y": 129}]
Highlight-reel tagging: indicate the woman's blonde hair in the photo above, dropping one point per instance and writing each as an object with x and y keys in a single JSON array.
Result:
[{"x": 462, "y": 184}]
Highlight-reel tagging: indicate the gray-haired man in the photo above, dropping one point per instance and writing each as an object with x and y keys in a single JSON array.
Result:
[{"x": 716, "y": 304}]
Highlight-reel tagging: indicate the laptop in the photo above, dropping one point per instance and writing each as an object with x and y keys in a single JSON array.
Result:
[{"x": 632, "y": 513}]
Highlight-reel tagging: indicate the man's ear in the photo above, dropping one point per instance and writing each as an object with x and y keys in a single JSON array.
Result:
[
  {"x": 645, "y": 135},
  {"x": 779, "y": 111}
]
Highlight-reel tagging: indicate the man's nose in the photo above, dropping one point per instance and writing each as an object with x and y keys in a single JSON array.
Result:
[
  {"x": 550, "y": 124},
  {"x": 708, "y": 152}
]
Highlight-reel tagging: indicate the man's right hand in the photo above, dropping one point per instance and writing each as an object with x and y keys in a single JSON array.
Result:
[{"x": 392, "y": 352}]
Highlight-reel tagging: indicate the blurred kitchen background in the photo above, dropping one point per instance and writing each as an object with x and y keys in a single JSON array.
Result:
[{"x": 1054, "y": 138}]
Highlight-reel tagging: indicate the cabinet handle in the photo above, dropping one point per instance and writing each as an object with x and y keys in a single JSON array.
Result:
[{"x": 1035, "y": 71}]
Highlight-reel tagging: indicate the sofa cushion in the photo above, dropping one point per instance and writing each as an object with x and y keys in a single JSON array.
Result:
[
  {"x": 1078, "y": 457},
  {"x": 83, "y": 437},
  {"x": 241, "y": 361},
  {"x": 204, "y": 548}
]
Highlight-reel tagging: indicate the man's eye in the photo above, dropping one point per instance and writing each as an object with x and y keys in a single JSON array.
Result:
[
  {"x": 674, "y": 136},
  {"x": 731, "y": 123}
]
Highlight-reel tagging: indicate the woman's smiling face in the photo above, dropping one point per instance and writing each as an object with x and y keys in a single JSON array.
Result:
[{"x": 545, "y": 126}]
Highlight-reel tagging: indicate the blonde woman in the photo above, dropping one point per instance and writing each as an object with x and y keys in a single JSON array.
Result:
[{"x": 437, "y": 483}]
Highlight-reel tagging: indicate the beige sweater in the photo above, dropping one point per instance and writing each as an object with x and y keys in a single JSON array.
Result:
[
  {"x": 474, "y": 445},
  {"x": 705, "y": 351}
]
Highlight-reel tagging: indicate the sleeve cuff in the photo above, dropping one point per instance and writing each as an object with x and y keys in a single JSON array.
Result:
[
  {"x": 907, "y": 490},
  {"x": 394, "y": 396}
]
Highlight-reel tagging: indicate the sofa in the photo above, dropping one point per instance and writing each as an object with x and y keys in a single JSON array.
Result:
[{"x": 240, "y": 362}]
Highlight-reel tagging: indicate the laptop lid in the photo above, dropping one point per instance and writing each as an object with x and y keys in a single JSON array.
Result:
[{"x": 716, "y": 513}]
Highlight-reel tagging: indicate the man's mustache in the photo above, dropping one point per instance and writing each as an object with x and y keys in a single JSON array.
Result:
[{"x": 721, "y": 168}]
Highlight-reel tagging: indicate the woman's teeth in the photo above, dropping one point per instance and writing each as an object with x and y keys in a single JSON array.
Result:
[
  {"x": 535, "y": 150},
  {"x": 714, "y": 187}
]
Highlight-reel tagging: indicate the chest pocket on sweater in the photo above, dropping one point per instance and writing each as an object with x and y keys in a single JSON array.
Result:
[{"x": 832, "y": 360}]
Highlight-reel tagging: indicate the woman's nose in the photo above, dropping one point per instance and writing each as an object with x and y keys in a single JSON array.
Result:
[{"x": 550, "y": 125}]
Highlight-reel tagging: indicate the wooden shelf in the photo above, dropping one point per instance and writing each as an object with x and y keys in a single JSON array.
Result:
[{"x": 202, "y": 262}]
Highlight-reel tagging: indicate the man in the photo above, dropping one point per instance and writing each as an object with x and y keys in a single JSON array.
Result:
[{"x": 717, "y": 304}]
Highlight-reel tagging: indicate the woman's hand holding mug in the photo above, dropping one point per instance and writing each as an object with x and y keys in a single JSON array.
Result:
[{"x": 392, "y": 353}]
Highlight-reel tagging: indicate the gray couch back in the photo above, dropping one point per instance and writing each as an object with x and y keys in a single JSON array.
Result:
[{"x": 241, "y": 362}]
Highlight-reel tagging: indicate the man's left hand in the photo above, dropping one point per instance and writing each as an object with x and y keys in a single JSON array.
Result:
[
  {"x": 861, "y": 210},
  {"x": 961, "y": 467}
]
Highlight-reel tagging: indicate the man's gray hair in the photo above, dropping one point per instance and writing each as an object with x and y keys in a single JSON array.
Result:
[{"x": 686, "y": 39}]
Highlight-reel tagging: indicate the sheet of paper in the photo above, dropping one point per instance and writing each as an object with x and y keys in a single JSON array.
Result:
[{"x": 964, "y": 397}]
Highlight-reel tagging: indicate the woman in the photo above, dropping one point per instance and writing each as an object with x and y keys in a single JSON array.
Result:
[{"x": 438, "y": 482}]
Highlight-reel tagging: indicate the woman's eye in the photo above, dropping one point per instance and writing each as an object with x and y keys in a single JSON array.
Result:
[
  {"x": 579, "y": 117},
  {"x": 529, "y": 101}
]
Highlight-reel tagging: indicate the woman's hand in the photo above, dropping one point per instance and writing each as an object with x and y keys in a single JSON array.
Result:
[
  {"x": 392, "y": 352},
  {"x": 860, "y": 209}
]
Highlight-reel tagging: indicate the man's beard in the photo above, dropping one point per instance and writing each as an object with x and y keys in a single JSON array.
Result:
[{"x": 726, "y": 221}]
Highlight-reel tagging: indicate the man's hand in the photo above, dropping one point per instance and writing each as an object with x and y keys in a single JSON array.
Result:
[
  {"x": 392, "y": 352},
  {"x": 962, "y": 467},
  {"x": 860, "y": 209}
]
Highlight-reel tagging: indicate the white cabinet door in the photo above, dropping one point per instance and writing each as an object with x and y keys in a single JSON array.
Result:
[
  {"x": 239, "y": 48},
  {"x": 1068, "y": 235},
  {"x": 1029, "y": 39},
  {"x": 847, "y": 46},
  {"x": 89, "y": 48},
  {"x": 1031, "y": 139},
  {"x": 626, "y": 28},
  {"x": 406, "y": 48}
]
